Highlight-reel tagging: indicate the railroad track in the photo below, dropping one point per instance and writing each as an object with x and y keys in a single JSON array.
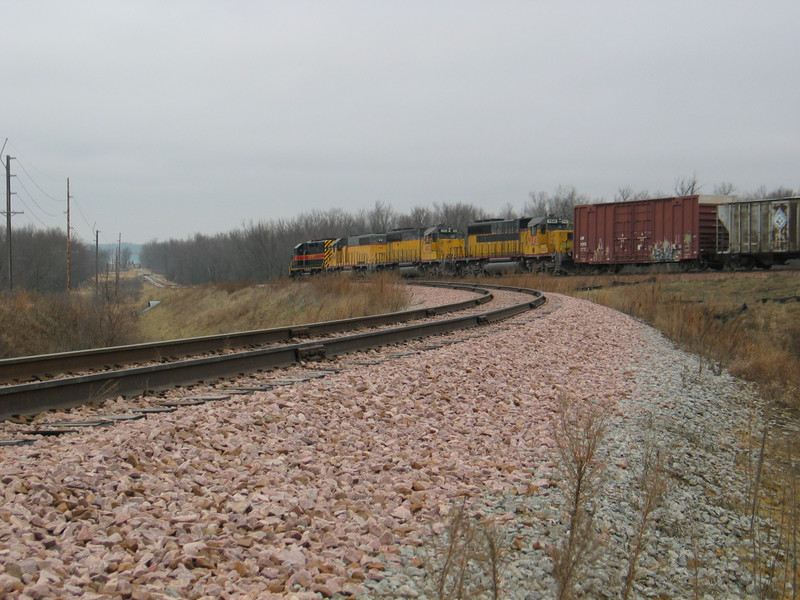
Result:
[
  {"x": 46, "y": 366},
  {"x": 69, "y": 391}
]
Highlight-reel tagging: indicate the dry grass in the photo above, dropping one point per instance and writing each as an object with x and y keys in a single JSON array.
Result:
[
  {"x": 211, "y": 309},
  {"x": 653, "y": 484},
  {"x": 773, "y": 507},
  {"x": 579, "y": 431},
  {"x": 33, "y": 323},
  {"x": 470, "y": 560},
  {"x": 42, "y": 323}
]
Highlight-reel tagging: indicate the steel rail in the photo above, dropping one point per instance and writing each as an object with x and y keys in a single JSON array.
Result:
[
  {"x": 32, "y": 398},
  {"x": 43, "y": 366}
]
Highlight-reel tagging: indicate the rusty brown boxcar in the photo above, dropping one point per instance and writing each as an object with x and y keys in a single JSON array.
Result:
[
  {"x": 761, "y": 232},
  {"x": 682, "y": 229}
]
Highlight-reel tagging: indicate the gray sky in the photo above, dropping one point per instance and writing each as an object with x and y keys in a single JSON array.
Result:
[{"x": 172, "y": 118}]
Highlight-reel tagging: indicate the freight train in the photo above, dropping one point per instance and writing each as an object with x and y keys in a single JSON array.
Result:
[
  {"x": 488, "y": 246},
  {"x": 687, "y": 232},
  {"x": 683, "y": 232}
]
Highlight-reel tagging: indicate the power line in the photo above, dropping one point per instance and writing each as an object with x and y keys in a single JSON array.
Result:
[
  {"x": 33, "y": 214},
  {"x": 36, "y": 184},
  {"x": 31, "y": 198},
  {"x": 79, "y": 236},
  {"x": 23, "y": 156},
  {"x": 80, "y": 210}
]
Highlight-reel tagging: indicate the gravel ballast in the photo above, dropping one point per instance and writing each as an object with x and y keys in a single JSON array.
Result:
[{"x": 341, "y": 486}]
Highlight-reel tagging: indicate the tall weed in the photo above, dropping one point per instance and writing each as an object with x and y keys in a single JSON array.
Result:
[
  {"x": 579, "y": 432},
  {"x": 469, "y": 559},
  {"x": 33, "y": 323},
  {"x": 215, "y": 308}
]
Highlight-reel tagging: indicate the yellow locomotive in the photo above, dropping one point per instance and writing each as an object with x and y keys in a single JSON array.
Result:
[
  {"x": 414, "y": 250},
  {"x": 365, "y": 252},
  {"x": 489, "y": 246},
  {"x": 525, "y": 244},
  {"x": 421, "y": 251}
]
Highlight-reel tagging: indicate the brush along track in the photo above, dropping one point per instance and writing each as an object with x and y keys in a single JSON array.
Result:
[
  {"x": 46, "y": 366},
  {"x": 32, "y": 398}
]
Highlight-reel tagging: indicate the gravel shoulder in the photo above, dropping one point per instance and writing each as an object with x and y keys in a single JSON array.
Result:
[{"x": 337, "y": 487}]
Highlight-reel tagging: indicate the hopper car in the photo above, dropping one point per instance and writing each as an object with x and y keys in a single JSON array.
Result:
[{"x": 760, "y": 233}]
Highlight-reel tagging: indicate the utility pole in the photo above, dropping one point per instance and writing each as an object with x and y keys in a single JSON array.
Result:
[
  {"x": 119, "y": 257},
  {"x": 96, "y": 262},
  {"x": 69, "y": 264},
  {"x": 8, "y": 219},
  {"x": 9, "y": 213}
]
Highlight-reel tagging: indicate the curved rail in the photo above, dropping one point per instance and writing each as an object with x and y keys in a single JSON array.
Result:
[
  {"x": 32, "y": 398},
  {"x": 42, "y": 366}
]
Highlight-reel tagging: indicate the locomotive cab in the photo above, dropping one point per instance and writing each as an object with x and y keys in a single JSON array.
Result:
[
  {"x": 311, "y": 257},
  {"x": 443, "y": 243},
  {"x": 551, "y": 235}
]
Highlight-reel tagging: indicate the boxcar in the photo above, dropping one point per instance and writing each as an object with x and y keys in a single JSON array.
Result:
[
  {"x": 761, "y": 232},
  {"x": 682, "y": 229}
]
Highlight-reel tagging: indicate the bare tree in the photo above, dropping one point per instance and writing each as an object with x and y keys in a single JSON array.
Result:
[
  {"x": 381, "y": 217},
  {"x": 566, "y": 199},
  {"x": 125, "y": 256},
  {"x": 756, "y": 194},
  {"x": 687, "y": 186},
  {"x": 538, "y": 204},
  {"x": 457, "y": 215},
  {"x": 726, "y": 188},
  {"x": 559, "y": 204},
  {"x": 624, "y": 194},
  {"x": 781, "y": 192},
  {"x": 420, "y": 216},
  {"x": 507, "y": 211},
  {"x": 761, "y": 193},
  {"x": 627, "y": 194}
]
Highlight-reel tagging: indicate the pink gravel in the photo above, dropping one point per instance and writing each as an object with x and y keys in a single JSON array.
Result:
[
  {"x": 422, "y": 296},
  {"x": 308, "y": 490}
]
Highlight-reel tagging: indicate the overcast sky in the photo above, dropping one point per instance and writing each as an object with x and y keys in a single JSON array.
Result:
[{"x": 172, "y": 118}]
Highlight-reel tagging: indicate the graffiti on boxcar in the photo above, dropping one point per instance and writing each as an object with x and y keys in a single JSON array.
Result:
[
  {"x": 780, "y": 232},
  {"x": 600, "y": 252},
  {"x": 665, "y": 251}
]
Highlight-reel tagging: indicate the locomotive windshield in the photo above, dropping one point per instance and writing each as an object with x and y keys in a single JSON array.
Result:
[
  {"x": 544, "y": 224},
  {"x": 558, "y": 224}
]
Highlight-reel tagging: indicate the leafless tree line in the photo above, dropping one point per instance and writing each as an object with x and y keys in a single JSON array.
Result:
[
  {"x": 39, "y": 260},
  {"x": 261, "y": 251},
  {"x": 688, "y": 186}
]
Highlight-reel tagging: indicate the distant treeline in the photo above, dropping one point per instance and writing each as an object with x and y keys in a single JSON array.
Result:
[
  {"x": 39, "y": 260},
  {"x": 261, "y": 251}
]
